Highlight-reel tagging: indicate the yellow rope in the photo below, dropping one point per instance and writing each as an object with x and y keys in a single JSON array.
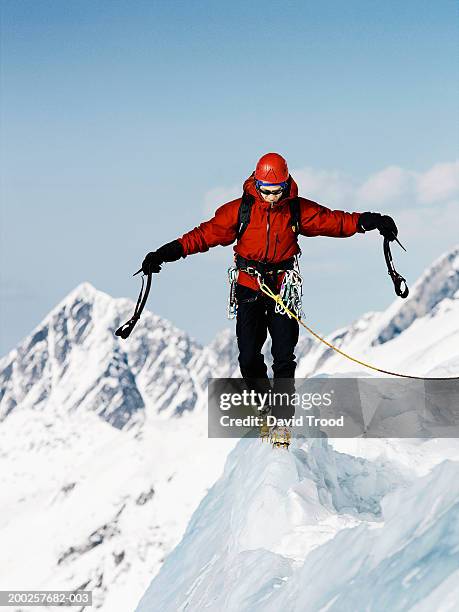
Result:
[{"x": 277, "y": 298}]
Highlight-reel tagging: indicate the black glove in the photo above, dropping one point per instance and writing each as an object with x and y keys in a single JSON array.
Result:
[
  {"x": 151, "y": 263},
  {"x": 386, "y": 225},
  {"x": 168, "y": 252}
]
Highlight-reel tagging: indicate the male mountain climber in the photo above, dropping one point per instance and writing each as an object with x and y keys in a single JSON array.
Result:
[{"x": 265, "y": 223}]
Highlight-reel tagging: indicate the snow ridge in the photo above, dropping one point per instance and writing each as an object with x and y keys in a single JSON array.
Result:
[{"x": 296, "y": 536}]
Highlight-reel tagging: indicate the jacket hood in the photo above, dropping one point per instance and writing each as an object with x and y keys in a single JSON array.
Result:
[{"x": 249, "y": 187}]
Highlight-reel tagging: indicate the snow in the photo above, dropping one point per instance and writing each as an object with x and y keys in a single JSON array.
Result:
[
  {"x": 104, "y": 457},
  {"x": 103, "y": 449},
  {"x": 304, "y": 533},
  {"x": 73, "y": 476}
]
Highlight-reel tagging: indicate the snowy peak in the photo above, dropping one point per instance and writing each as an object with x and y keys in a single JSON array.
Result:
[
  {"x": 439, "y": 283},
  {"x": 68, "y": 360},
  {"x": 73, "y": 360}
]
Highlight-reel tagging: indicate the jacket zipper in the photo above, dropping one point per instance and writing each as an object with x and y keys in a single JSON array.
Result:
[
  {"x": 276, "y": 240},
  {"x": 267, "y": 235}
]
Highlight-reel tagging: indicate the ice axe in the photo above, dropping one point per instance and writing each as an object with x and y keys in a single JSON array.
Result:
[
  {"x": 125, "y": 330},
  {"x": 397, "y": 278}
]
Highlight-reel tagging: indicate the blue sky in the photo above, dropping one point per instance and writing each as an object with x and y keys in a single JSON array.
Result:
[{"x": 122, "y": 121}]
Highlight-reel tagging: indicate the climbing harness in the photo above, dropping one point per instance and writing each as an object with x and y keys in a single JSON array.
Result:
[
  {"x": 125, "y": 330},
  {"x": 291, "y": 290},
  {"x": 266, "y": 269}
]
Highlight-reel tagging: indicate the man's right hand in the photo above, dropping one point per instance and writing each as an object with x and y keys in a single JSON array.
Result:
[
  {"x": 172, "y": 251},
  {"x": 152, "y": 263}
]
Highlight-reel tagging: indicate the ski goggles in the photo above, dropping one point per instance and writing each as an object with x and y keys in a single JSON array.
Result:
[{"x": 260, "y": 185}]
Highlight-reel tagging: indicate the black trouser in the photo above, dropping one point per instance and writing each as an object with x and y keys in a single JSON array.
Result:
[{"x": 255, "y": 317}]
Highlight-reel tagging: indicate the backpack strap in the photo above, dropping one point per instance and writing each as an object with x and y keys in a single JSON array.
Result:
[
  {"x": 245, "y": 209},
  {"x": 295, "y": 215}
]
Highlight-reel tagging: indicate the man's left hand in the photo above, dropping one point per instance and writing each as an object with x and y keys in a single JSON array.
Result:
[
  {"x": 386, "y": 225},
  {"x": 387, "y": 228}
]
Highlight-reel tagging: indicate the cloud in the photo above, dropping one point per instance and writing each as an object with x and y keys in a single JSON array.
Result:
[
  {"x": 395, "y": 186},
  {"x": 438, "y": 184},
  {"x": 428, "y": 220},
  {"x": 390, "y": 185},
  {"x": 329, "y": 187},
  {"x": 220, "y": 195}
]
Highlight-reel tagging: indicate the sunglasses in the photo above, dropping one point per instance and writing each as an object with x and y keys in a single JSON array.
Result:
[{"x": 267, "y": 192}]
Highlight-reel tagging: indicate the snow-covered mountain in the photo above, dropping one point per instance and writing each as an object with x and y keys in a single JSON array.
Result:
[
  {"x": 103, "y": 448},
  {"x": 104, "y": 452},
  {"x": 73, "y": 360}
]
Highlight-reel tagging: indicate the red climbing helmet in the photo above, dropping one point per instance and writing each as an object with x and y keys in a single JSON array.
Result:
[{"x": 271, "y": 168}]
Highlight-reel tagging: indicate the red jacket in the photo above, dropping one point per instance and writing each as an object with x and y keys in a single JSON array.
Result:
[{"x": 269, "y": 236}]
